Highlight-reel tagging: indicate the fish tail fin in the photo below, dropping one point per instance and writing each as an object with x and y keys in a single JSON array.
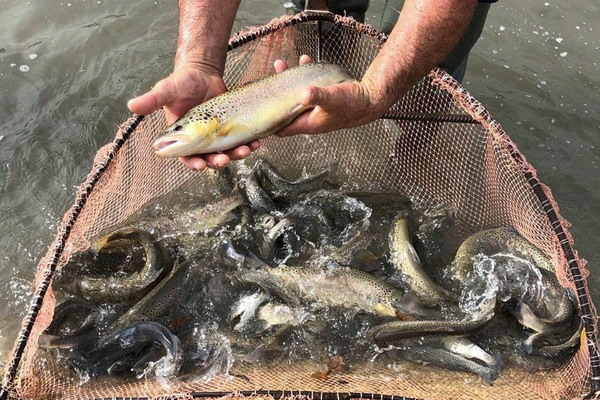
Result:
[{"x": 411, "y": 306}]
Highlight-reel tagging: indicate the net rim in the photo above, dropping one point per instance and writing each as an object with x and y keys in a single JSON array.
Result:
[
  {"x": 477, "y": 111},
  {"x": 550, "y": 207},
  {"x": 282, "y": 394}
]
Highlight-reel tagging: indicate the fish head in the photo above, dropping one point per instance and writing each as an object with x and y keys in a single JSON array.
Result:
[
  {"x": 186, "y": 136},
  {"x": 266, "y": 221}
]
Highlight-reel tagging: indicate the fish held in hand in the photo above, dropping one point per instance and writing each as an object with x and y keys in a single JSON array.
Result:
[{"x": 250, "y": 112}]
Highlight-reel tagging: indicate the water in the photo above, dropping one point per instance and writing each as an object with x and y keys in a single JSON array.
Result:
[
  {"x": 501, "y": 278},
  {"x": 195, "y": 302},
  {"x": 68, "y": 68}
]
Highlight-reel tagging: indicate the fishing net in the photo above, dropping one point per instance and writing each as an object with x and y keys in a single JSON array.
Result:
[{"x": 438, "y": 145}]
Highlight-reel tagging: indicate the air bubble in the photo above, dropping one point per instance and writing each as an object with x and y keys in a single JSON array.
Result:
[
  {"x": 33, "y": 56},
  {"x": 24, "y": 68}
]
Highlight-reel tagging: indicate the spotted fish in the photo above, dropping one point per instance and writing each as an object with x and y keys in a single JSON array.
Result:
[
  {"x": 252, "y": 111},
  {"x": 335, "y": 287}
]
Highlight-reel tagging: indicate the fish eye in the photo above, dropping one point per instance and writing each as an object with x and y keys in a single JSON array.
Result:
[{"x": 178, "y": 128}]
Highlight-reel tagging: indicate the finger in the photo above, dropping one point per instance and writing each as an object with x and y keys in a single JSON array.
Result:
[
  {"x": 216, "y": 160},
  {"x": 304, "y": 59},
  {"x": 280, "y": 66},
  {"x": 195, "y": 163},
  {"x": 170, "y": 116},
  {"x": 239, "y": 152},
  {"x": 162, "y": 94},
  {"x": 315, "y": 96},
  {"x": 244, "y": 151},
  {"x": 255, "y": 145},
  {"x": 300, "y": 126}
]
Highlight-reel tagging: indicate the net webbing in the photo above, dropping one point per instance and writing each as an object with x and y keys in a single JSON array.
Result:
[{"x": 472, "y": 167}]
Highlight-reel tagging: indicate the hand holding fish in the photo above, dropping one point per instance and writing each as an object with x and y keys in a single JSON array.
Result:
[
  {"x": 185, "y": 88},
  {"x": 249, "y": 112},
  {"x": 344, "y": 105}
]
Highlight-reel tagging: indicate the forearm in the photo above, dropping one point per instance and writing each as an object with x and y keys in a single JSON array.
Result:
[
  {"x": 424, "y": 35},
  {"x": 204, "y": 29}
]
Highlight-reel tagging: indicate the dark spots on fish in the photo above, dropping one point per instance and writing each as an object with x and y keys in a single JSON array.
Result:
[{"x": 177, "y": 128}]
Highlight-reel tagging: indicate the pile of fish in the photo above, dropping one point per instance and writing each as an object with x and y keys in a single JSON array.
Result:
[{"x": 282, "y": 270}]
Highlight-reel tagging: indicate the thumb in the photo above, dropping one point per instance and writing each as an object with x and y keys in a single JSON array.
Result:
[
  {"x": 162, "y": 94},
  {"x": 317, "y": 96}
]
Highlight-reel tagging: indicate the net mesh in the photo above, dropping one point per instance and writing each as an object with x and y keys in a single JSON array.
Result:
[{"x": 474, "y": 168}]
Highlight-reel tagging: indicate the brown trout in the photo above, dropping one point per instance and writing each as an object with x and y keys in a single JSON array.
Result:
[
  {"x": 407, "y": 266},
  {"x": 252, "y": 111},
  {"x": 335, "y": 287}
]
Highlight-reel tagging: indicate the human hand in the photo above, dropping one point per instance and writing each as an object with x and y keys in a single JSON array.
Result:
[
  {"x": 344, "y": 105},
  {"x": 185, "y": 88}
]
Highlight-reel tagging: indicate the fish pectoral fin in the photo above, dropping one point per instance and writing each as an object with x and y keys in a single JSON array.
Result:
[
  {"x": 412, "y": 305},
  {"x": 99, "y": 244},
  {"x": 226, "y": 128}
]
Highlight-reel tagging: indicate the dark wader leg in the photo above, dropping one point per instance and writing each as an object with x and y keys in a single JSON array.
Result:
[
  {"x": 456, "y": 62},
  {"x": 340, "y": 45}
]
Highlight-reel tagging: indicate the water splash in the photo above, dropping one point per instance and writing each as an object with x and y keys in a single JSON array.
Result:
[{"x": 500, "y": 277}]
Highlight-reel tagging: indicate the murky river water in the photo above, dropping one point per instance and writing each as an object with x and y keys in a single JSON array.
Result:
[{"x": 68, "y": 67}]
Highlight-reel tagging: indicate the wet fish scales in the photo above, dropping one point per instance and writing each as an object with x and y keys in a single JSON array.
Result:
[
  {"x": 124, "y": 289},
  {"x": 253, "y": 111},
  {"x": 337, "y": 286},
  {"x": 407, "y": 266}
]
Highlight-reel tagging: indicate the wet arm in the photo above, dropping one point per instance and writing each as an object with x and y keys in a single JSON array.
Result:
[
  {"x": 423, "y": 36},
  {"x": 204, "y": 29},
  {"x": 426, "y": 32}
]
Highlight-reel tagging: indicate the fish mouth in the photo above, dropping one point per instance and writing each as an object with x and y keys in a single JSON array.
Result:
[
  {"x": 169, "y": 146},
  {"x": 162, "y": 145}
]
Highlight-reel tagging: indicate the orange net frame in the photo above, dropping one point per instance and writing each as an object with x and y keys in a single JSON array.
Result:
[{"x": 473, "y": 167}]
